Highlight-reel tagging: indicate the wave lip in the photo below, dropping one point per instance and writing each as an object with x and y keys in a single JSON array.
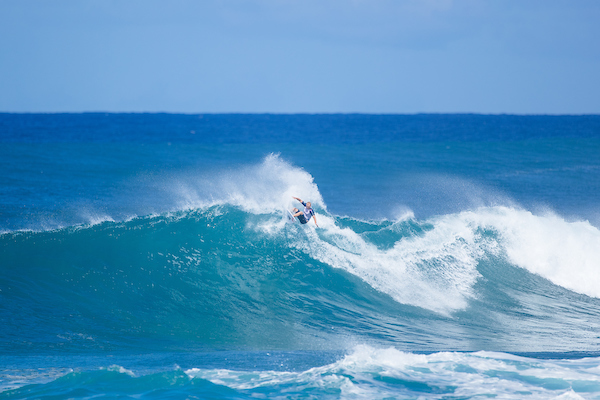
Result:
[{"x": 565, "y": 253}]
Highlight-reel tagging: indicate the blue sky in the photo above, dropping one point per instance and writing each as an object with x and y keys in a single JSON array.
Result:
[{"x": 315, "y": 56}]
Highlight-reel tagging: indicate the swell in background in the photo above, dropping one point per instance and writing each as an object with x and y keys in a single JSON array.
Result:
[{"x": 67, "y": 169}]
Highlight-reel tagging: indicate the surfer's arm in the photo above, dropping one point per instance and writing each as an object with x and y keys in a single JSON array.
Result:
[
  {"x": 297, "y": 199},
  {"x": 315, "y": 218}
]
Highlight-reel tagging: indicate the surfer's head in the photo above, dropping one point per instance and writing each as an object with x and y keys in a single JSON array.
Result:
[{"x": 308, "y": 204}]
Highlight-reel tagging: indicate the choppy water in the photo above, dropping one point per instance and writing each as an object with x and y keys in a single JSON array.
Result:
[{"x": 148, "y": 256}]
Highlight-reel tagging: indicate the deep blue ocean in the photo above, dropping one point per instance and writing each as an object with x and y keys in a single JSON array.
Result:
[{"x": 148, "y": 256}]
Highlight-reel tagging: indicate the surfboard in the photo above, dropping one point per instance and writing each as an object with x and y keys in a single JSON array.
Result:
[{"x": 289, "y": 217}]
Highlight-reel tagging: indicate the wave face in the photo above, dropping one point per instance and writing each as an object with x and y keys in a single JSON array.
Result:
[{"x": 233, "y": 274}]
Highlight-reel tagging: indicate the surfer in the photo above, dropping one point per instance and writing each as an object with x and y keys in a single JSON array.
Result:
[{"x": 304, "y": 216}]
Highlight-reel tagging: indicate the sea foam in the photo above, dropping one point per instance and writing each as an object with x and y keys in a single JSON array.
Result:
[
  {"x": 368, "y": 372},
  {"x": 263, "y": 188},
  {"x": 565, "y": 253}
]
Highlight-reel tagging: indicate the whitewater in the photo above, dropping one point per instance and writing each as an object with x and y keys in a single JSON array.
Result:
[{"x": 456, "y": 257}]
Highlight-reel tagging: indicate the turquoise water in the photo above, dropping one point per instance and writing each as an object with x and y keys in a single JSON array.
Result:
[{"x": 148, "y": 256}]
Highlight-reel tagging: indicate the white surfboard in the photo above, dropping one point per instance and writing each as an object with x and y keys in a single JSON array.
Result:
[{"x": 289, "y": 217}]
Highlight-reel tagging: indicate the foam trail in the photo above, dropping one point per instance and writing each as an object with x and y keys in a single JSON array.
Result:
[{"x": 437, "y": 269}]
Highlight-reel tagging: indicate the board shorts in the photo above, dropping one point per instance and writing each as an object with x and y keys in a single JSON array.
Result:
[{"x": 302, "y": 219}]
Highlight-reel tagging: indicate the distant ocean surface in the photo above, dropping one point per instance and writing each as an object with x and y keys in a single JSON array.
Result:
[{"x": 148, "y": 256}]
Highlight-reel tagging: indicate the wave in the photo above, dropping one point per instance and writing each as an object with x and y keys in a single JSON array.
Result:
[
  {"x": 239, "y": 276},
  {"x": 224, "y": 269},
  {"x": 364, "y": 373}
]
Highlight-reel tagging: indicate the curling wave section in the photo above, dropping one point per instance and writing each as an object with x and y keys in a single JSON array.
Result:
[{"x": 225, "y": 276}]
